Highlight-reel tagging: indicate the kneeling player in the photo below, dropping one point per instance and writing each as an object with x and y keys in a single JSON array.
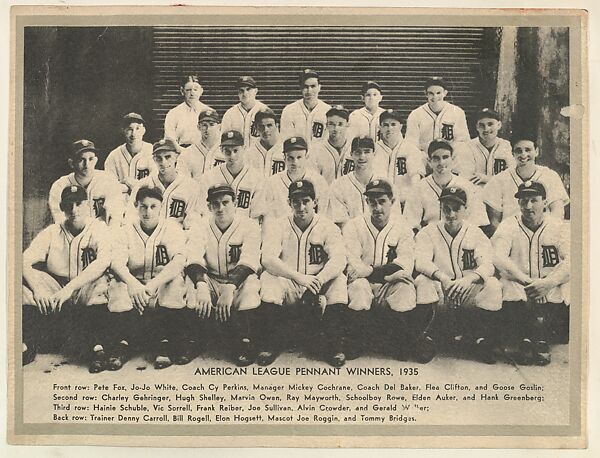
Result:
[
  {"x": 380, "y": 264},
  {"x": 224, "y": 258},
  {"x": 304, "y": 258},
  {"x": 454, "y": 259},
  {"x": 532, "y": 254}
]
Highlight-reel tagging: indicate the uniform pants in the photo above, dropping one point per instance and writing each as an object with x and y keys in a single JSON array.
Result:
[
  {"x": 107, "y": 328},
  {"x": 168, "y": 324},
  {"x": 537, "y": 322}
]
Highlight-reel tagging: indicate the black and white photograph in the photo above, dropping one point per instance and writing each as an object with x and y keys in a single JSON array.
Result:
[{"x": 307, "y": 223}]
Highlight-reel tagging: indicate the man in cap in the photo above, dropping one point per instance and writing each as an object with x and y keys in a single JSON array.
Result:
[
  {"x": 241, "y": 117},
  {"x": 306, "y": 117},
  {"x": 102, "y": 188},
  {"x": 365, "y": 120},
  {"x": 223, "y": 261},
  {"x": 381, "y": 255},
  {"x": 454, "y": 260},
  {"x": 266, "y": 154},
  {"x": 236, "y": 172},
  {"x": 131, "y": 161},
  {"x": 303, "y": 282},
  {"x": 201, "y": 156},
  {"x": 532, "y": 253}
]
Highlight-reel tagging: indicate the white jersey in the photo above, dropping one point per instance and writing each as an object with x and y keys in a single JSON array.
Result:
[
  {"x": 298, "y": 121},
  {"x": 476, "y": 158},
  {"x": 237, "y": 118},
  {"x": 104, "y": 194},
  {"x": 328, "y": 161},
  {"x": 539, "y": 254},
  {"x": 267, "y": 161},
  {"x": 423, "y": 125},
  {"x": 423, "y": 205},
  {"x": 499, "y": 192},
  {"x": 402, "y": 163},
  {"x": 197, "y": 159},
  {"x": 181, "y": 123},
  {"x": 127, "y": 168},
  {"x": 365, "y": 124},
  {"x": 247, "y": 185}
]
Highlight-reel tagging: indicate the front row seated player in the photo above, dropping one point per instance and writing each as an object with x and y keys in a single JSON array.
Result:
[
  {"x": 455, "y": 262},
  {"x": 532, "y": 255},
  {"x": 303, "y": 282},
  {"x": 65, "y": 286}
]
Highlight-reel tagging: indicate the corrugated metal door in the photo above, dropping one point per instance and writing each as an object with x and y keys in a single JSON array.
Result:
[{"x": 399, "y": 58}]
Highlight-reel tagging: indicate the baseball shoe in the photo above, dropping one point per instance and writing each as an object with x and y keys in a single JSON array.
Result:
[
  {"x": 245, "y": 355},
  {"x": 99, "y": 362},
  {"x": 185, "y": 354},
  {"x": 29, "y": 353},
  {"x": 337, "y": 360},
  {"x": 425, "y": 349},
  {"x": 484, "y": 351},
  {"x": 266, "y": 357},
  {"x": 118, "y": 358},
  {"x": 162, "y": 360},
  {"x": 530, "y": 353}
]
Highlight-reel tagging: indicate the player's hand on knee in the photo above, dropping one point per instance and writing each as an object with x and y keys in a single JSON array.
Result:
[
  {"x": 59, "y": 298},
  {"x": 399, "y": 276},
  {"x": 224, "y": 302},
  {"x": 151, "y": 290},
  {"x": 538, "y": 288},
  {"x": 43, "y": 302},
  {"x": 203, "y": 303},
  {"x": 138, "y": 295},
  {"x": 310, "y": 282}
]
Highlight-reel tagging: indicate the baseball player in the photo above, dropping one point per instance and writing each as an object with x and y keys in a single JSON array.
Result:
[
  {"x": 240, "y": 117},
  {"x": 306, "y": 117},
  {"x": 266, "y": 154},
  {"x": 200, "y": 157},
  {"x": 69, "y": 292},
  {"x": 272, "y": 200},
  {"x": 347, "y": 191},
  {"x": 403, "y": 161},
  {"x": 246, "y": 181},
  {"x": 437, "y": 118},
  {"x": 487, "y": 154},
  {"x": 181, "y": 198},
  {"x": 103, "y": 190},
  {"x": 498, "y": 194},
  {"x": 532, "y": 255},
  {"x": 454, "y": 260},
  {"x": 224, "y": 260},
  {"x": 423, "y": 205},
  {"x": 131, "y": 161},
  {"x": 303, "y": 281},
  {"x": 181, "y": 121},
  {"x": 380, "y": 263},
  {"x": 364, "y": 122},
  {"x": 149, "y": 265}
]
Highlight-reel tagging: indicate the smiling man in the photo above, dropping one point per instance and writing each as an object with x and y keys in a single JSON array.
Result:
[{"x": 266, "y": 154}]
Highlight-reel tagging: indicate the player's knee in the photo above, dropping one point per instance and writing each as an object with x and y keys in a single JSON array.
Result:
[
  {"x": 490, "y": 296},
  {"x": 360, "y": 296},
  {"x": 401, "y": 297}
]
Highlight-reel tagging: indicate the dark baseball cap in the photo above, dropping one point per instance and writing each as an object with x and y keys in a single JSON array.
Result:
[
  {"x": 132, "y": 117},
  {"x": 454, "y": 193},
  {"x": 338, "y": 110},
  {"x": 219, "y": 190},
  {"x": 294, "y": 144},
  {"x": 166, "y": 144},
  {"x": 265, "y": 113},
  {"x": 308, "y": 73},
  {"x": 80, "y": 147},
  {"x": 370, "y": 85},
  {"x": 362, "y": 142},
  {"x": 530, "y": 189},
  {"x": 487, "y": 113},
  {"x": 301, "y": 188},
  {"x": 435, "y": 145},
  {"x": 247, "y": 81},
  {"x": 72, "y": 194},
  {"x": 435, "y": 81},
  {"x": 390, "y": 114},
  {"x": 232, "y": 138},
  {"x": 210, "y": 115},
  {"x": 378, "y": 187}
]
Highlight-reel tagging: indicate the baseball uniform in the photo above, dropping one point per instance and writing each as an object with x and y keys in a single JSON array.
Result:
[
  {"x": 363, "y": 123},
  {"x": 499, "y": 192},
  {"x": 299, "y": 121},
  {"x": 125, "y": 167},
  {"x": 181, "y": 123},
  {"x": 423, "y": 205},
  {"x": 237, "y": 118},
  {"x": 197, "y": 159},
  {"x": 330, "y": 162},
  {"x": 423, "y": 125},
  {"x": 267, "y": 162},
  {"x": 476, "y": 158}
]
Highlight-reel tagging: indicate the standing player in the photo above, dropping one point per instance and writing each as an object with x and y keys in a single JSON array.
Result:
[
  {"x": 224, "y": 260},
  {"x": 380, "y": 263},
  {"x": 131, "y": 161},
  {"x": 364, "y": 122},
  {"x": 102, "y": 189},
  {"x": 498, "y": 194},
  {"x": 199, "y": 157},
  {"x": 455, "y": 262},
  {"x": 266, "y": 155},
  {"x": 240, "y": 117},
  {"x": 487, "y": 154},
  {"x": 423, "y": 205},
  {"x": 245, "y": 181},
  {"x": 306, "y": 117},
  {"x": 304, "y": 258},
  {"x": 181, "y": 121},
  {"x": 532, "y": 255},
  {"x": 437, "y": 118}
]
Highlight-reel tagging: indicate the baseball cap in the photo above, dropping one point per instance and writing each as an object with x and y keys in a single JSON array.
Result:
[
  {"x": 338, "y": 110},
  {"x": 370, "y": 85},
  {"x": 218, "y": 190},
  {"x": 454, "y": 193},
  {"x": 390, "y": 114},
  {"x": 306, "y": 74},
  {"x": 301, "y": 188},
  {"x": 132, "y": 117},
  {"x": 265, "y": 113},
  {"x": 434, "y": 145},
  {"x": 209, "y": 114},
  {"x": 166, "y": 144},
  {"x": 294, "y": 144},
  {"x": 487, "y": 113},
  {"x": 531, "y": 188},
  {"x": 81, "y": 146},
  {"x": 435, "y": 81},
  {"x": 362, "y": 142},
  {"x": 247, "y": 81},
  {"x": 232, "y": 138},
  {"x": 72, "y": 194},
  {"x": 378, "y": 187}
]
